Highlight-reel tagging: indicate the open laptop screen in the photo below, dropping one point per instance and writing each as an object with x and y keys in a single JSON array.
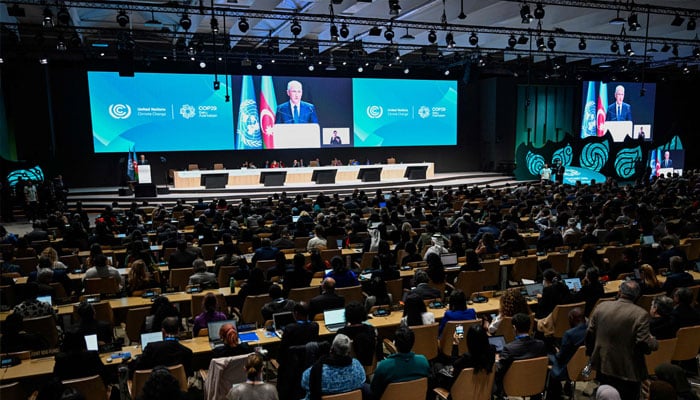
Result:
[
  {"x": 147, "y": 338},
  {"x": 214, "y": 327},
  {"x": 534, "y": 289},
  {"x": 498, "y": 342},
  {"x": 448, "y": 259},
  {"x": 573, "y": 284},
  {"x": 91, "y": 342},
  {"x": 334, "y": 317},
  {"x": 282, "y": 319},
  {"x": 44, "y": 299}
]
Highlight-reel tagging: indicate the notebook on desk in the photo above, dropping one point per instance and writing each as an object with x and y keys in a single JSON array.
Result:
[
  {"x": 334, "y": 319},
  {"x": 150, "y": 337},
  {"x": 213, "y": 328},
  {"x": 281, "y": 320}
]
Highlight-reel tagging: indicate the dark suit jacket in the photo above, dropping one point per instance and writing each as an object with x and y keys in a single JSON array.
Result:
[
  {"x": 297, "y": 334},
  {"x": 307, "y": 114},
  {"x": 519, "y": 349},
  {"x": 181, "y": 259},
  {"x": 570, "y": 342},
  {"x": 168, "y": 353},
  {"x": 676, "y": 280},
  {"x": 426, "y": 292},
  {"x": 667, "y": 163},
  {"x": 685, "y": 316},
  {"x": 324, "y": 302},
  {"x": 80, "y": 364},
  {"x": 663, "y": 327},
  {"x": 625, "y": 112}
]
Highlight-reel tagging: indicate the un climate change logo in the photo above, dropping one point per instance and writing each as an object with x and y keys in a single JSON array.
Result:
[
  {"x": 424, "y": 112},
  {"x": 187, "y": 111},
  {"x": 119, "y": 111},
  {"x": 375, "y": 112}
]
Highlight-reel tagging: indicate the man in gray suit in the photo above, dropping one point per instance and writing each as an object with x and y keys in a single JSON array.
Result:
[{"x": 617, "y": 339}]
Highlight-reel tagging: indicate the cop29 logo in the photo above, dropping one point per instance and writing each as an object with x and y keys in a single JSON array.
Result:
[
  {"x": 119, "y": 111},
  {"x": 375, "y": 112}
]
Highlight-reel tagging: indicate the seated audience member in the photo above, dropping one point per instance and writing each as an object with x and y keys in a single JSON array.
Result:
[
  {"x": 161, "y": 309},
  {"x": 436, "y": 271},
  {"x": 649, "y": 284},
  {"x": 411, "y": 255},
  {"x": 337, "y": 372},
  {"x": 50, "y": 275},
  {"x": 676, "y": 377},
  {"x": 662, "y": 325},
  {"x": 473, "y": 263},
  {"x": 678, "y": 276},
  {"x": 486, "y": 245},
  {"x": 231, "y": 346},
  {"x": 75, "y": 361},
  {"x": 319, "y": 240},
  {"x": 298, "y": 333},
  {"x": 316, "y": 263},
  {"x": 480, "y": 354},
  {"x": 100, "y": 269},
  {"x": 169, "y": 352},
  {"x": 264, "y": 252},
  {"x": 683, "y": 311},
  {"x": 522, "y": 348},
  {"x": 423, "y": 288},
  {"x": 209, "y": 313},
  {"x": 277, "y": 305},
  {"x": 14, "y": 339},
  {"x": 378, "y": 294},
  {"x": 280, "y": 267},
  {"x": 52, "y": 254},
  {"x": 458, "y": 310},
  {"x": 626, "y": 265},
  {"x": 591, "y": 290},
  {"x": 415, "y": 312},
  {"x": 437, "y": 247},
  {"x": 362, "y": 334},
  {"x": 285, "y": 241},
  {"x": 555, "y": 292},
  {"x": 607, "y": 392},
  {"x": 512, "y": 302},
  {"x": 140, "y": 278},
  {"x": 182, "y": 257},
  {"x": 201, "y": 277},
  {"x": 254, "y": 387},
  {"x": 342, "y": 275},
  {"x": 670, "y": 249},
  {"x": 297, "y": 276},
  {"x": 162, "y": 385},
  {"x": 573, "y": 339},
  {"x": 89, "y": 325},
  {"x": 327, "y": 300},
  {"x": 31, "y": 307},
  {"x": 254, "y": 286},
  {"x": 402, "y": 366}
]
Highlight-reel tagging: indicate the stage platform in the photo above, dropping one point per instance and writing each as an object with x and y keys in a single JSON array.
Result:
[{"x": 100, "y": 196}]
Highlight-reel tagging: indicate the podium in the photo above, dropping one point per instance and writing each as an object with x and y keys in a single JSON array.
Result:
[{"x": 145, "y": 173}]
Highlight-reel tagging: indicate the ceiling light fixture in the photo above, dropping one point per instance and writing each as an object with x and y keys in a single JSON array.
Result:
[
  {"x": 389, "y": 34},
  {"x": 633, "y": 22},
  {"x": 691, "y": 24},
  {"x": 512, "y": 41},
  {"x": 432, "y": 36},
  {"x": 523, "y": 39},
  {"x": 665, "y": 48},
  {"x": 243, "y": 25},
  {"x": 295, "y": 28},
  {"x": 677, "y": 20},
  {"x": 344, "y": 30},
  {"x": 675, "y": 50},
  {"x": 628, "y": 49},
  {"x": 334, "y": 33},
  {"x": 539, "y": 11},
  {"x": 540, "y": 44},
  {"x": 551, "y": 43},
  {"x": 122, "y": 18},
  {"x": 214, "y": 23},
  {"x": 408, "y": 36},
  {"x": 394, "y": 7},
  {"x": 473, "y": 39},
  {"x": 47, "y": 22},
  {"x": 63, "y": 16},
  {"x": 185, "y": 22},
  {"x": 614, "y": 47},
  {"x": 617, "y": 20},
  {"x": 450, "y": 40},
  {"x": 525, "y": 15},
  {"x": 582, "y": 44},
  {"x": 61, "y": 44}
]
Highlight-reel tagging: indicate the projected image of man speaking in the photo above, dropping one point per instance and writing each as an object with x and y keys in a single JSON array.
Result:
[{"x": 295, "y": 111}]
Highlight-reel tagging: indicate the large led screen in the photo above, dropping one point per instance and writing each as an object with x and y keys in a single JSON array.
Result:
[{"x": 182, "y": 112}]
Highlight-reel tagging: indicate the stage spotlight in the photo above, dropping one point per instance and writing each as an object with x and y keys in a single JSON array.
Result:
[
  {"x": 582, "y": 44},
  {"x": 360, "y": 69},
  {"x": 677, "y": 20},
  {"x": 633, "y": 22},
  {"x": 696, "y": 52},
  {"x": 540, "y": 44},
  {"x": 614, "y": 47},
  {"x": 447, "y": 72},
  {"x": 344, "y": 31},
  {"x": 43, "y": 61},
  {"x": 185, "y": 22},
  {"x": 512, "y": 41},
  {"x": 334, "y": 33},
  {"x": 202, "y": 64},
  {"x": 258, "y": 66},
  {"x": 61, "y": 44},
  {"x": 214, "y": 23},
  {"x": 311, "y": 67},
  {"x": 47, "y": 22},
  {"x": 295, "y": 28},
  {"x": 389, "y": 34},
  {"x": 432, "y": 36},
  {"x": 450, "y": 40},
  {"x": 473, "y": 39},
  {"x": 691, "y": 24},
  {"x": 523, "y": 39},
  {"x": 243, "y": 25},
  {"x": 628, "y": 49},
  {"x": 122, "y": 18},
  {"x": 63, "y": 16},
  {"x": 406, "y": 71},
  {"x": 525, "y": 14},
  {"x": 191, "y": 51},
  {"x": 481, "y": 61},
  {"x": 551, "y": 43},
  {"x": 539, "y": 11},
  {"x": 685, "y": 70},
  {"x": 394, "y": 7}
]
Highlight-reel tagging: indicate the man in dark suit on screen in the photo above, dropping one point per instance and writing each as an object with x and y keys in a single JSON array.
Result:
[
  {"x": 295, "y": 111},
  {"x": 619, "y": 110}
]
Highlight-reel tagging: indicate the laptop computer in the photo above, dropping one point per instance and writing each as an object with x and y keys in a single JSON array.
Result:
[
  {"x": 334, "y": 319},
  {"x": 648, "y": 239},
  {"x": 280, "y": 320},
  {"x": 448, "y": 259},
  {"x": 573, "y": 284},
  {"x": 498, "y": 342},
  {"x": 382, "y": 204},
  {"x": 213, "y": 328},
  {"x": 45, "y": 299},
  {"x": 534, "y": 289},
  {"x": 91, "y": 343},
  {"x": 151, "y": 337}
]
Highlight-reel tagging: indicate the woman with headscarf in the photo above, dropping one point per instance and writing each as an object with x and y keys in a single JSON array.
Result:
[{"x": 231, "y": 347}]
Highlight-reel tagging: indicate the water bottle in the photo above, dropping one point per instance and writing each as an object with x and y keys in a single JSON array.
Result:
[
  {"x": 232, "y": 284},
  {"x": 586, "y": 372}
]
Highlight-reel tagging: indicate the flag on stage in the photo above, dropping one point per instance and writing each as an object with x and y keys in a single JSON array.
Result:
[
  {"x": 130, "y": 166},
  {"x": 248, "y": 129},
  {"x": 135, "y": 162},
  {"x": 588, "y": 123},
  {"x": 602, "y": 107},
  {"x": 268, "y": 107}
]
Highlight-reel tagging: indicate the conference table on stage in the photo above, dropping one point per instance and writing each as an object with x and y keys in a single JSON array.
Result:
[{"x": 251, "y": 176}]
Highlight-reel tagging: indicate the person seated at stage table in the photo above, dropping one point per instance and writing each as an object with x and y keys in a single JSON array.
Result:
[
  {"x": 75, "y": 361},
  {"x": 342, "y": 275},
  {"x": 678, "y": 277},
  {"x": 14, "y": 339},
  {"x": 100, "y": 269},
  {"x": 327, "y": 300},
  {"x": 201, "y": 277},
  {"x": 457, "y": 311},
  {"x": 140, "y": 279},
  {"x": 168, "y": 352}
]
